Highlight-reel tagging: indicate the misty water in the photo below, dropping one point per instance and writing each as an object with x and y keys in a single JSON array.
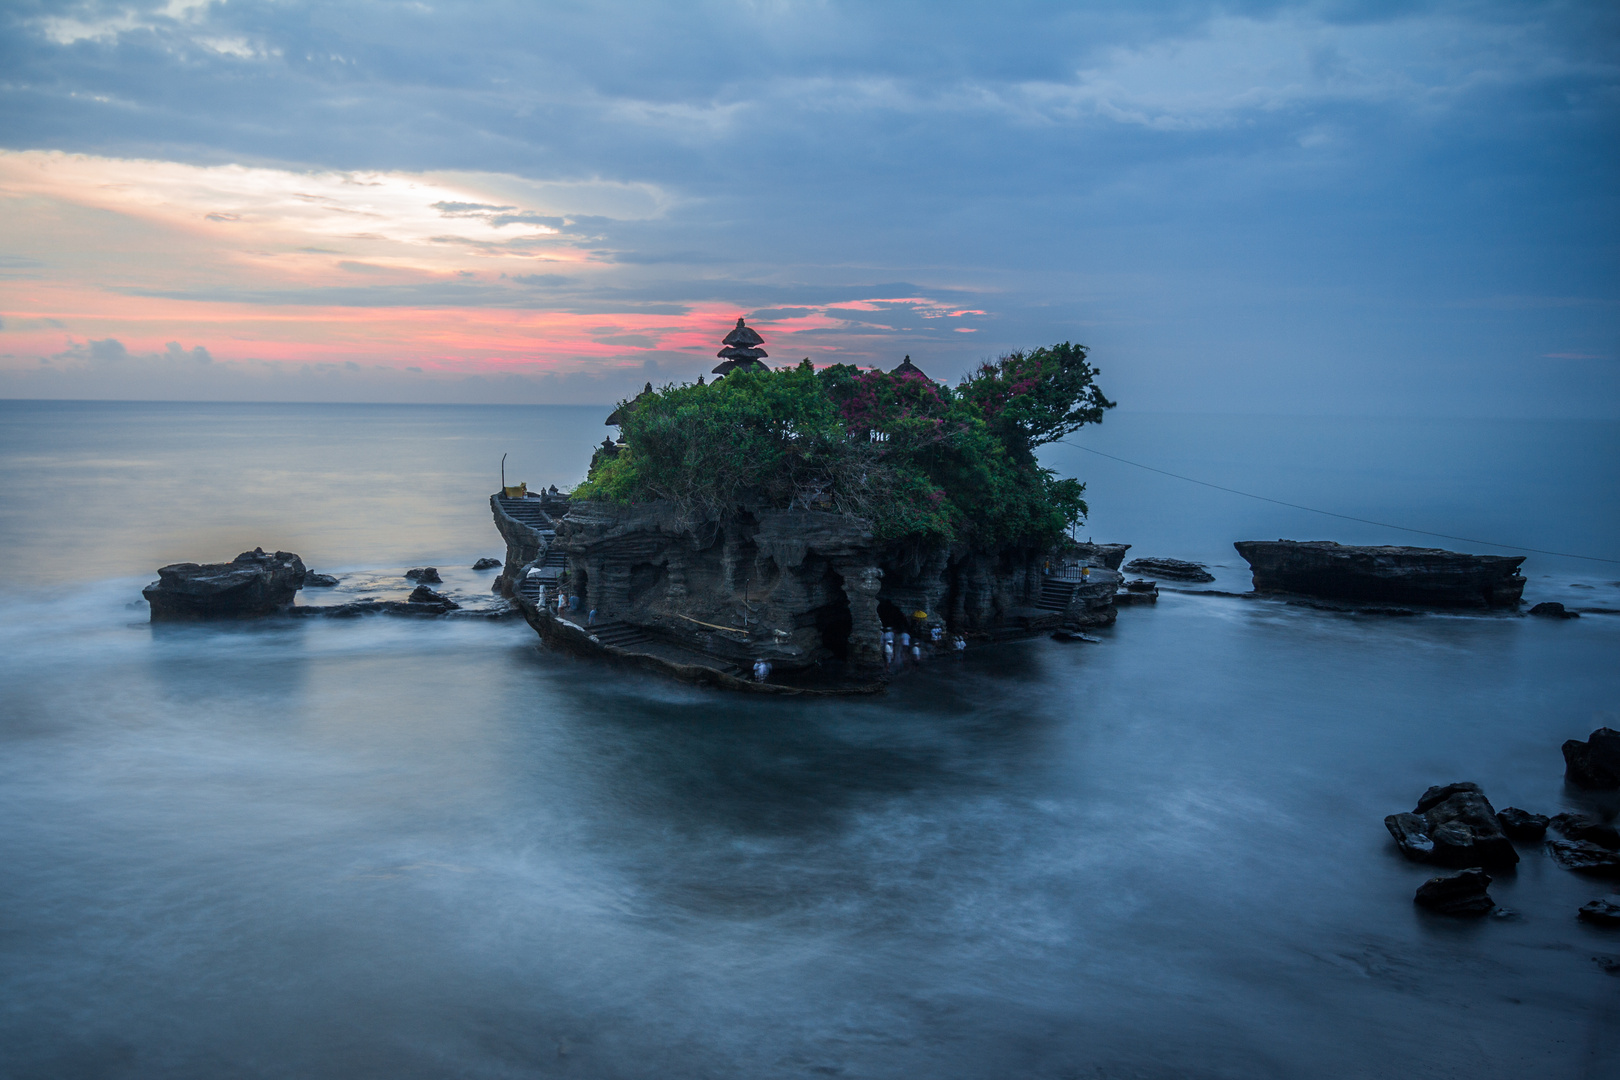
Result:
[{"x": 399, "y": 848}]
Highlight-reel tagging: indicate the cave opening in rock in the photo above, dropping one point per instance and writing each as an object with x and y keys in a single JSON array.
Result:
[
  {"x": 833, "y": 620},
  {"x": 890, "y": 616}
]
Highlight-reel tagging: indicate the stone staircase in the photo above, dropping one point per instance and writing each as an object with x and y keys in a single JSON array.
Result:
[
  {"x": 1055, "y": 594},
  {"x": 620, "y": 635},
  {"x": 528, "y": 512}
]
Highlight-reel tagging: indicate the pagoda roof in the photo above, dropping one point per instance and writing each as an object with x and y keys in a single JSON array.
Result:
[
  {"x": 617, "y": 416},
  {"x": 906, "y": 367},
  {"x": 743, "y": 335},
  {"x": 742, "y": 363}
]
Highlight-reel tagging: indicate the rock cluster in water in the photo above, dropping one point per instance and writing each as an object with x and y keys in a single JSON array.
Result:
[
  {"x": 1595, "y": 763},
  {"x": 1454, "y": 825},
  {"x": 250, "y": 585},
  {"x": 1403, "y": 575},
  {"x": 1174, "y": 569}
]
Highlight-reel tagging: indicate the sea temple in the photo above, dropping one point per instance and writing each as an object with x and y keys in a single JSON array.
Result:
[{"x": 814, "y": 530}]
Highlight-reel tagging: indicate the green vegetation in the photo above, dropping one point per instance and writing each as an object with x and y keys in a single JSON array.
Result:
[{"x": 919, "y": 460}]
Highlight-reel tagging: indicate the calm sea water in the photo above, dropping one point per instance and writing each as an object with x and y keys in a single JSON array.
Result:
[{"x": 398, "y": 849}]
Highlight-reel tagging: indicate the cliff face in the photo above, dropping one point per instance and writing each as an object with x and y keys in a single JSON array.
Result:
[
  {"x": 1405, "y": 575},
  {"x": 795, "y": 587}
]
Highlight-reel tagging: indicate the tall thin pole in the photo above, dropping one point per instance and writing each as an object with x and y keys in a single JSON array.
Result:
[{"x": 503, "y": 474}]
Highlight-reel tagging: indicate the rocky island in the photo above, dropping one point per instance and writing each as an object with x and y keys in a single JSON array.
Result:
[
  {"x": 1387, "y": 574},
  {"x": 804, "y": 529}
]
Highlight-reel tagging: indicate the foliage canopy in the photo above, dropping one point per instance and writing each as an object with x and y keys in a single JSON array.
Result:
[{"x": 918, "y": 459}]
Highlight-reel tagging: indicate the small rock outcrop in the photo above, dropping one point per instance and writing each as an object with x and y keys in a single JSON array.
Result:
[
  {"x": 1522, "y": 824},
  {"x": 1585, "y": 857},
  {"x": 1107, "y": 556},
  {"x": 424, "y": 595},
  {"x": 1581, "y": 827},
  {"x": 426, "y": 574},
  {"x": 1402, "y": 575},
  {"x": 251, "y": 585},
  {"x": 312, "y": 580},
  {"x": 1174, "y": 569},
  {"x": 1462, "y": 893},
  {"x": 1552, "y": 609},
  {"x": 1453, "y": 825},
  {"x": 486, "y": 564},
  {"x": 1595, "y": 763},
  {"x": 1600, "y": 912}
]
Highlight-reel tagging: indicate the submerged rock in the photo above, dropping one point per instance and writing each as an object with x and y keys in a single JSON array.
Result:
[
  {"x": 1594, "y": 763},
  {"x": 1174, "y": 569},
  {"x": 312, "y": 580},
  {"x": 1521, "y": 824},
  {"x": 1552, "y": 609},
  {"x": 428, "y": 574},
  {"x": 1601, "y": 912},
  {"x": 486, "y": 564},
  {"x": 251, "y": 585},
  {"x": 1453, "y": 825},
  {"x": 1411, "y": 575},
  {"x": 1585, "y": 857},
  {"x": 1462, "y": 893},
  {"x": 1581, "y": 827}
]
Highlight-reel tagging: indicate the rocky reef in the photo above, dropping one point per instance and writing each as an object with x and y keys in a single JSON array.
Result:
[
  {"x": 810, "y": 592},
  {"x": 1401, "y": 575},
  {"x": 251, "y": 585},
  {"x": 1453, "y": 825}
]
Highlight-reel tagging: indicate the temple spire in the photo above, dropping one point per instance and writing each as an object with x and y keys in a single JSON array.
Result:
[{"x": 741, "y": 351}]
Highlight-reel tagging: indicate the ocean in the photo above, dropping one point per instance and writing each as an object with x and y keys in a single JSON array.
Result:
[{"x": 401, "y": 848}]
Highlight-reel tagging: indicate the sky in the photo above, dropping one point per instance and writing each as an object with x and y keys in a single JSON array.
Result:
[{"x": 1364, "y": 208}]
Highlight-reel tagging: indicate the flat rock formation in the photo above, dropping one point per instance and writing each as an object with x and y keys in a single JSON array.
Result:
[
  {"x": 1405, "y": 575},
  {"x": 1595, "y": 763},
  {"x": 1600, "y": 912},
  {"x": 249, "y": 586},
  {"x": 1174, "y": 569},
  {"x": 1585, "y": 857},
  {"x": 1453, "y": 825}
]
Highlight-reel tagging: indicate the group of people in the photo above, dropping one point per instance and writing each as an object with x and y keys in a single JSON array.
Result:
[{"x": 905, "y": 642}]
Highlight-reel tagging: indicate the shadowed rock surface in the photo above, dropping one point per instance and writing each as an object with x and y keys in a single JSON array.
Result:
[
  {"x": 426, "y": 574},
  {"x": 1585, "y": 857},
  {"x": 1600, "y": 913},
  {"x": 1174, "y": 569},
  {"x": 1595, "y": 763},
  {"x": 312, "y": 580},
  {"x": 1453, "y": 825},
  {"x": 1462, "y": 893},
  {"x": 486, "y": 564},
  {"x": 1552, "y": 609},
  {"x": 249, "y": 586},
  {"x": 424, "y": 595},
  {"x": 1406, "y": 575},
  {"x": 1521, "y": 824},
  {"x": 1581, "y": 827}
]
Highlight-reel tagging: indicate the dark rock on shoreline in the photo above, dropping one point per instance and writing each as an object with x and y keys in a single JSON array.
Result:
[
  {"x": 1174, "y": 569},
  {"x": 251, "y": 585},
  {"x": 1585, "y": 857},
  {"x": 1453, "y": 825},
  {"x": 426, "y": 574},
  {"x": 312, "y": 580},
  {"x": 1595, "y": 763},
  {"x": 1600, "y": 913},
  {"x": 487, "y": 564},
  {"x": 1581, "y": 827},
  {"x": 424, "y": 595},
  {"x": 1521, "y": 824},
  {"x": 1428, "y": 576},
  {"x": 1552, "y": 609},
  {"x": 1462, "y": 893}
]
